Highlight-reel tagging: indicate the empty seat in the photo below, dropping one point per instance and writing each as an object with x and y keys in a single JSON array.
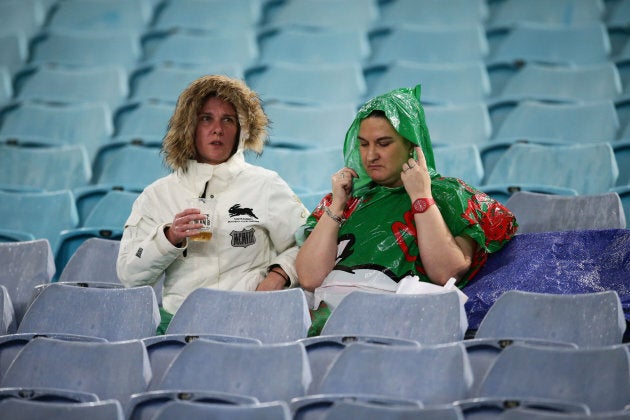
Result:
[
  {"x": 459, "y": 124},
  {"x": 399, "y": 316},
  {"x": 13, "y": 51},
  {"x": 622, "y": 156},
  {"x": 144, "y": 121},
  {"x": 326, "y": 13},
  {"x": 587, "y": 319},
  {"x": 445, "y": 43},
  {"x": 6, "y": 84},
  {"x": 599, "y": 377},
  {"x": 509, "y": 13},
  {"x": 584, "y": 168},
  {"x": 106, "y": 84},
  {"x": 442, "y": 83},
  {"x": 294, "y": 125},
  {"x": 43, "y": 214},
  {"x": 434, "y": 12},
  {"x": 312, "y": 45},
  {"x": 552, "y": 44},
  {"x": 44, "y": 168},
  {"x": 8, "y": 323},
  {"x": 94, "y": 260},
  {"x": 111, "y": 313},
  {"x": 25, "y": 265},
  {"x": 88, "y": 197},
  {"x": 618, "y": 14},
  {"x": 101, "y": 15},
  {"x": 81, "y": 48},
  {"x": 217, "y": 15},
  {"x": 547, "y": 212},
  {"x": 624, "y": 195},
  {"x": 213, "y": 311},
  {"x": 463, "y": 162},
  {"x": 110, "y": 370},
  {"x": 307, "y": 83},
  {"x": 199, "y": 47},
  {"x": 97, "y": 410},
  {"x": 275, "y": 410},
  {"x": 22, "y": 16}
]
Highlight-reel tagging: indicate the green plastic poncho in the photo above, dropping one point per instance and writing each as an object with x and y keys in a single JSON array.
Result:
[{"x": 377, "y": 246}]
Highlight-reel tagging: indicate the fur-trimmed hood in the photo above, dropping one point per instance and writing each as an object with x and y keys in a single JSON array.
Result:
[{"x": 179, "y": 143}]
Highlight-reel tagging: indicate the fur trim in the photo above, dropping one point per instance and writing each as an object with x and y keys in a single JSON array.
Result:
[{"x": 179, "y": 143}]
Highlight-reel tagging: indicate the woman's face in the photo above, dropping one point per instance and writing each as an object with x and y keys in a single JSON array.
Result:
[
  {"x": 383, "y": 151},
  {"x": 216, "y": 132}
]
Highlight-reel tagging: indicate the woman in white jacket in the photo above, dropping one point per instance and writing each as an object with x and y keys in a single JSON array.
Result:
[{"x": 256, "y": 213}]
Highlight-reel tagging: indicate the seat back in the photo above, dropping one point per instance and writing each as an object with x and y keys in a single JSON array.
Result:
[
  {"x": 275, "y": 410},
  {"x": 399, "y": 316},
  {"x": 460, "y": 124},
  {"x": 213, "y": 311},
  {"x": 547, "y": 212},
  {"x": 203, "y": 15},
  {"x": 7, "y": 314},
  {"x": 599, "y": 377},
  {"x": 393, "y": 371},
  {"x": 434, "y": 12},
  {"x": 364, "y": 410},
  {"x": 103, "y": 15},
  {"x": 130, "y": 166},
  {"x": 32, "y": 409},
  {"x": 111, "y": 313},
  {"x": 588, "y": 319},
  {"x": 564, "y": 12},
  {"x": 25, "y": 265},
  {"x": 94, "y": 260},
  {"x": 327, "y": 14},
  {"x": 242, "y": 369},
  {"x": 462, "y": 162},
  {"x": 143, "y": 121}
]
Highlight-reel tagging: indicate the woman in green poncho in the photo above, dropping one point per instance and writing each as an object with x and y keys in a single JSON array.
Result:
[{"x": 391, "y": 214}]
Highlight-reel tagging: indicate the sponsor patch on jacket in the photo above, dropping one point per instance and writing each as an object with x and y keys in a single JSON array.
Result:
[
  {"x": 139, "y": 252},
  {"x": 243, "y": 238},
  {"x": 241, "y": 214}
]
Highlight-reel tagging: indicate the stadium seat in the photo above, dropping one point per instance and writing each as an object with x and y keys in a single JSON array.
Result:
[
  {"x": 113, "y": 313},
  {"x": 111, "y": 370},
  {"x": 41, "y": 124},
  {"x": 112, "y": 209},
  {"x": 202, "y": 48},
  {"x": 145, "y": 121},
  {"x": 307, "y": 170},
  {"x": 322, "y": 350},
  {"x": 8, "y": 322},
  {"x": 215, "y": 15},
  {"x": 624, "y": 195},
  {"x": 70, "y": 240},
  {"x": 275, "y": 410},
  {"x": 547, "y": 212},
  {"x": 160, "y": 84},
  {"x": 588, "y": 82},
  {"x": 440, "y": 44},
  {"x": 33, "y": 409},
  {"x": 308, "y": 126},
  {"x": 25, "y": 265},
  {"x": 442, "y": 83},
  {"x": 163, "y": 349},
  {"x": 94, "y": 260},
  {"x": 365, "y": 410},
  {"x": 599, "y": 377},
  {"x": 463, "y": 162},
  {"x": 399, "y": 316},
  {"x": 325, "y": 13},
  {"x": 308, "y": 84},
  {"x": 63, "y": 84},
  {"x": 458, "y": 124},
  {"x": 213, "y": 311},
  {"x": 622, "y": 156},
  {"x": 13, "y": 51},
  {"x": 44, "y": 168},
  {"x": 6, "y": 84},
  {"x": 10, "y": 235},
  {"x": 101, "y": 15},
  {"x": 312, "y": 45},
  {"x": 80, "y": 48},
  {"x": 557, "y": 166},
  {"x": 25, "y": 17},
  {"x": 551, "y": 44},
  {"x": 586, "y": 319},
  {"x": 503, "y": 408},
  {"x": 88, "y": 197},
  {"x": 508, "y": 13},
  {"x": 434, "y": 12},
  {"x": 617, "y": 14},
  {"x": 534, "y": 414},
  {"x": 43, "y": 214}
]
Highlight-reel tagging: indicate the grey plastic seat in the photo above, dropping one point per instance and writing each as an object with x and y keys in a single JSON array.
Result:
[
  {"x": 29, "y": 409},
  {"x": 8, "y": 322},
  {"x": 222, "y": 312},
  {"x": 547, "y": 212},
  {"x": 587, "y": 320},
  {"x": 364, "y": 410},
  {"x": 459, "y": 124},
  {"x": 534, "y": 414},
  {"x": 500, "y": 408},
  {"x": 598, "y": 377},
  {"x": 399, "y": 316},
  {"x": 93, "y": 260},
  {"x": 111, "y": 370},
  {"x": 208, "y": 15},
  {"x": 275, "y": 410},
  {"x": 113, "y": 313}
]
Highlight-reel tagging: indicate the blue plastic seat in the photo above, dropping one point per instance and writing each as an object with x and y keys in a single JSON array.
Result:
[
  {"x": 434, "y": 12},
  {"x": 617, "y": 15},
  {"x": 202, "y": 48},
  {"x": 442, "y": 83},
  {"x": 113, "y": 313},
  {"x": 214, "y": 15},
  {"x": 312, "y": 45},
  {"x": 547, "y": 212},
  {"x": 43, "y": 214},
  {"x": 25, "y": 17},
  {"x": 552, "y": 44},
  {"x": 223, "y": 312},
  {"x": 275, "y": 410},
  {"x": 584, "y": 168},
  {"x": 110, "y": 370},
  {"x": 459, "y": 124},
  {"x": 308, "y": 84},
  {"x": 463, "y": 162},
  {"x": 144, "y": 121},
  {"x": 101, "y": 15},
  {"x": 33, "y": 409},
  {"x": 6, "y": 84},
  {"x": 48, "y": 83},
  {"x": 13, "y": 51},
  {"x": 44, "y": 168},
  {"x": 509, "y": 13},
  {"x": 440, "y": 44},
  {"x": 622, "y": 156},
  {"x": 325, "y": 13}
]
